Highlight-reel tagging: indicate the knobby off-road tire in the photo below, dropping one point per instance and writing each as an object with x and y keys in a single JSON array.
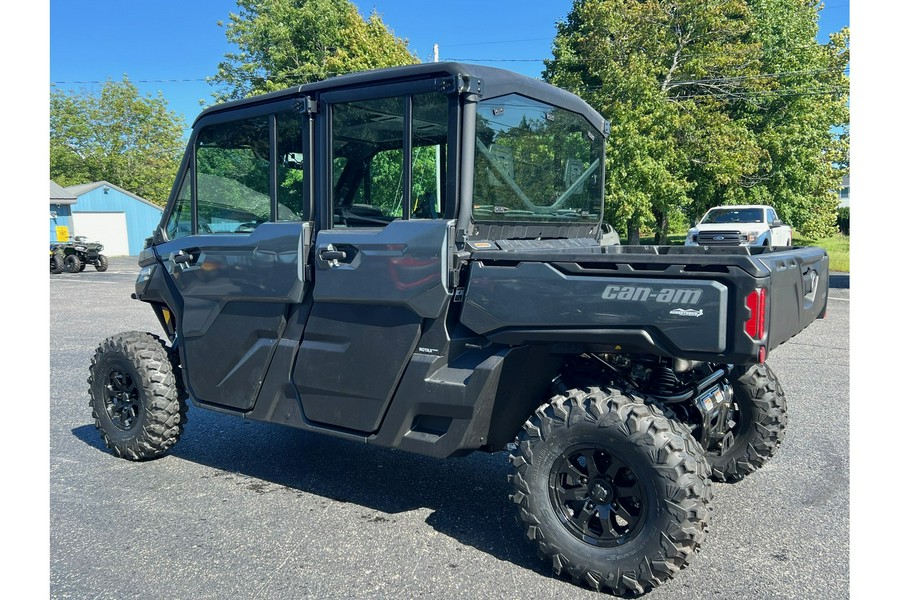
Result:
[
  {"x": 613, "y": 493},
  {"x": 102, "y": 263},
  {"x": 136, "y": 395},
  {"x": 57, "y": 263},
  {"x": 72, "y": 263},
  {"x": 759, "y": 410}
]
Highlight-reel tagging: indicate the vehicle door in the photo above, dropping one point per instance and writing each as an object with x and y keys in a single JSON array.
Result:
[
  {"x": 230, "y": 249},
  {"x": 780, "y": 233},
  {"x": 380, "y": 257}
]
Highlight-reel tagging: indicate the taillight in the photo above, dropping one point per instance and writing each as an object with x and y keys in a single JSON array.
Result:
[{"x": 755, "y": 326}]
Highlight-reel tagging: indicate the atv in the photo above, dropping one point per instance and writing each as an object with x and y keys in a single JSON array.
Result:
[{"x": 74, "y": 257}]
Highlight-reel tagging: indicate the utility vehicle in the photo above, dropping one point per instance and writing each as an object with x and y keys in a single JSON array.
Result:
[{"x": 412, "y": 258}]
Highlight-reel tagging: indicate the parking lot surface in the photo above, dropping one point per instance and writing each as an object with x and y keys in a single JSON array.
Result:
[{"x": 240, "y": 509}]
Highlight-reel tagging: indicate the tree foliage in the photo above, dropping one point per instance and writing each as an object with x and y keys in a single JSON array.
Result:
[
  {"x": 129, "y": 140},
  {"x": 289, "y": 42},
  {"x": 711, "y": 103}
]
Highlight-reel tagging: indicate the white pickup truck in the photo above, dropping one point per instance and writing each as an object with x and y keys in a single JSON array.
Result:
[{"x": 740, "y": 225}]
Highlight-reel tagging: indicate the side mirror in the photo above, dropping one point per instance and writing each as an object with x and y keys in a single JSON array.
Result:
[{"x": 777, "y": 223}]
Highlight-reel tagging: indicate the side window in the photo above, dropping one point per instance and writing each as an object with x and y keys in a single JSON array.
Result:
[
  {"x": 367, "y": 162},
  {"x": 290, "y": 205},
  {"x": 179, "y": 224},
  {"x": 770, "y": 216},
  {"x": 233, "y": 176},
  {"x": 429, "y": 155},
  {"x": 386, "y": 165}
]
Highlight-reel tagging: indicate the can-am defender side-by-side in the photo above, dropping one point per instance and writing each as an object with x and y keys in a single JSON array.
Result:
[{"x": 412, "y": 258}]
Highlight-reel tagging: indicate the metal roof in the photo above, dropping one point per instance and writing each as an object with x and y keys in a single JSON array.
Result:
[
  {"x": 59, "y": 195},
  {"x": 84, "y": 188}
]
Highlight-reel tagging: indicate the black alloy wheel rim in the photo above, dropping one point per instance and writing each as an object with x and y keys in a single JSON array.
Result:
[
  {"x": 597, "y": 496},
  {"x": 122, "y": 397}
]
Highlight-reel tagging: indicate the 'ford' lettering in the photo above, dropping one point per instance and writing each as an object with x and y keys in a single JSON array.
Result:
[
  {"x": 646, "y": 294},
  {"x": 719, "y": 238}
]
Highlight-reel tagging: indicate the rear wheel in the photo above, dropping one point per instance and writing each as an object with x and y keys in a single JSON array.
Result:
[
  {"x": 613, "y": 493},
  {"x": 73, "y": 263},
  {"x": 57, "y": 263},
  {"x": 135, "y": 398},
  {"x": 102, "y": 263},
  {"x": 759, "y": 413}
]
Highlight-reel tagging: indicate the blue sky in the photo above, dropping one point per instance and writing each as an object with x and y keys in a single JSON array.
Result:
[{"x": 171, "y": 46}]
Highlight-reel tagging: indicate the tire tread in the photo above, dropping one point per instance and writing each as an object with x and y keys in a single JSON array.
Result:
[
  {"x": 676, "y": 457},
  {"x": 163, "y": 398}
]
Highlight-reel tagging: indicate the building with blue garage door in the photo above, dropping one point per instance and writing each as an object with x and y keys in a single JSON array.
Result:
[{"x": 116, "y": 218}]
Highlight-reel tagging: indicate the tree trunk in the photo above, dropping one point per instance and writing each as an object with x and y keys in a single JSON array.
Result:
[{"x": 634, "y": 234}]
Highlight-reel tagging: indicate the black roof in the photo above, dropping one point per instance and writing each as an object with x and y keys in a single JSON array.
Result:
[{"x": 494, "y": 82}]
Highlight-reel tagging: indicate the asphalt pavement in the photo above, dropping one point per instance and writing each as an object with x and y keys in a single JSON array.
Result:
[{"x": 240, "y": 509}]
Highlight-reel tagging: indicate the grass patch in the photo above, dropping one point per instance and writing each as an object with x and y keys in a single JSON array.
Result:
[{"x": 837, "y": 246}]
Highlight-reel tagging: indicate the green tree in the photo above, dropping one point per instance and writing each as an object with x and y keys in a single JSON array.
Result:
[
  {"x": 119, "y": 136},
  {"x": 695, "y": 91},
  {"x": 289, "y": 42},
  {"x": 801, "y": 118}
]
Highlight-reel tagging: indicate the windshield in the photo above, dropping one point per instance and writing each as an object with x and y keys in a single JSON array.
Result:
[
  {"x": 535, "y": 162},
  {"x": 734, "y": 215}
]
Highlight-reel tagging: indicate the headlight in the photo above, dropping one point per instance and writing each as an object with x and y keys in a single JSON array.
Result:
[
  {"x": 143, "y": 279},
  {"x": 750, "y": 236}
]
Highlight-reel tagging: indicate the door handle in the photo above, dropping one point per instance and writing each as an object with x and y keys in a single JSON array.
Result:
[
  {"x": 186, "y": 257},
  {"x": 330, "y": 255}
]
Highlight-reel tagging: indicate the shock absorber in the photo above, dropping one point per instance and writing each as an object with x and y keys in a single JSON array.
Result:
[{"x": 662, "y": 381}]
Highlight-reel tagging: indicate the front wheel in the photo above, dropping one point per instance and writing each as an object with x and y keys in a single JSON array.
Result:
[
  {"x": 73, "y": 263},
  {"x": 135, "y": 399},
  {"x": 759, "y": 414},
  {"x": 613, "y": 493},
  {"x": 102, "y": 263}
]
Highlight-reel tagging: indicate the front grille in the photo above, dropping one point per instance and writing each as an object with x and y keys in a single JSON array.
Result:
[{"x": 719, "y": 238}]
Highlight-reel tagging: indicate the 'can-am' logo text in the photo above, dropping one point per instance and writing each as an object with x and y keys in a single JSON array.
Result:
[{"x": 645, "y": 294}]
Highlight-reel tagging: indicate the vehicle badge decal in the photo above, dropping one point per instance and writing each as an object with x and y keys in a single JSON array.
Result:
[{"x": 687, "y": 312}]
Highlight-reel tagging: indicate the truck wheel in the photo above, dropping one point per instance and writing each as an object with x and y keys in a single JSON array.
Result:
[
  {"x": 72, "y": 263},
  {"x": 613, "y": 493},
  {"x": 57, "y": 263},
  {"x": 759, "y": 410},
  {"x": 83, "y": 266},
  {"x": 135, "y": 398},
  {"x": 102, "y": 263}
]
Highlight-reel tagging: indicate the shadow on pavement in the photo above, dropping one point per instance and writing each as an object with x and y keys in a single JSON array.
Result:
[
  {"x": 840, "y": 281},
  {"x": 468, "y": 495}
]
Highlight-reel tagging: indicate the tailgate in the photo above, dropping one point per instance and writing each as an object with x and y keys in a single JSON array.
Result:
[{"x": 798, "y": 291}]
